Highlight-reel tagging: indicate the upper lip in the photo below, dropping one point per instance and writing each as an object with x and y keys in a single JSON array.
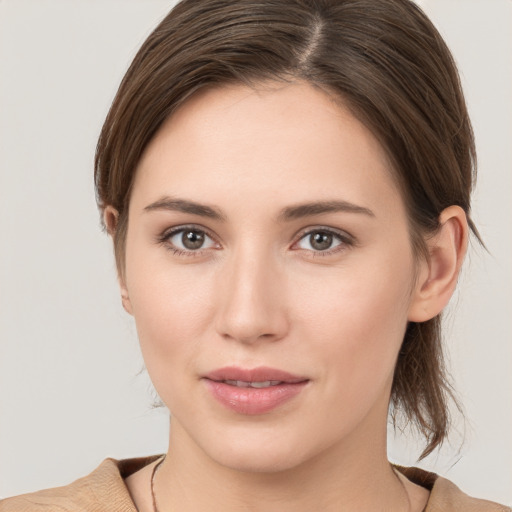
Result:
[{"x": 259, "y": 374}]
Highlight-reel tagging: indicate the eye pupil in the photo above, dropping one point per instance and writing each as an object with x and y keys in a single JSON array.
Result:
[
  {"x": 321, "y": 241},
  {"x": 192, "y": 239}
]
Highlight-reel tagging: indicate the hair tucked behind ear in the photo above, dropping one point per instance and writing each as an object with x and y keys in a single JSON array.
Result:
[{"x": 382, "y": 58}]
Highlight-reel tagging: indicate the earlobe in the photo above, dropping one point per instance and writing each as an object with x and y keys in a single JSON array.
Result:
[
  {"x": 438, "y": 276},
  {"x": 110, "y": 219},
  {"x": 125, "y": 299}
]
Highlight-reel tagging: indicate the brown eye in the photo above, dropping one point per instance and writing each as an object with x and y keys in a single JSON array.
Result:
[
  {"x": 320, "y": 241},
  {"x": 192, "y": 239},
  {"x": 189, "y": 240}
]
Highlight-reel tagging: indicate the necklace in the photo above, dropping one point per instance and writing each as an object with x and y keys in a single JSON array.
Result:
[
  {"x": 155, "y": 469},
  {"x": 409, "y": 504},
  {"x": 157, "y": 466}
]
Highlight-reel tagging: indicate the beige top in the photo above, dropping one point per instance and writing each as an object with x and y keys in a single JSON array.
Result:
[{"x": 104, "y": 490}]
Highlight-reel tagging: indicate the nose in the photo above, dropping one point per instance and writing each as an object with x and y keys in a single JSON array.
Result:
[{"x": 252, "y": 304}]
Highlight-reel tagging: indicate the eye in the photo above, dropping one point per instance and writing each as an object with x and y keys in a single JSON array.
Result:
[
  {"x": 188, "y": 239},
  {"x": 322, "y": 240}
]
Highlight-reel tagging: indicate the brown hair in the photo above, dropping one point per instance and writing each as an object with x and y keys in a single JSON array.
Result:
[{"x": 384, "y": 59}]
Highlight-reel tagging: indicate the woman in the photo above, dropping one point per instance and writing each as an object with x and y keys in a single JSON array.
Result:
[{"x": 287, "y": 187}]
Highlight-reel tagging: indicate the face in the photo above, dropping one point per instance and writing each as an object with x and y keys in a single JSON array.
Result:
[{"x": 270, "y": 273}]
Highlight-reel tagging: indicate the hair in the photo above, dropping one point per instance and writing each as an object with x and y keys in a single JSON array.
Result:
[{"x": 384, "y": 60}]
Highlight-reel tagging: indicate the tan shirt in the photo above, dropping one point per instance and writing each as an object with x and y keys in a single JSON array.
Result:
[{"x": 104, "y": 490}]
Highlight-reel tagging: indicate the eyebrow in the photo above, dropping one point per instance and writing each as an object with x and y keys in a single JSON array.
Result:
[
  {"x": 317, "y": 208},
  {"x": 287, "y": 214},
  {"x": 185, "y": 206}
]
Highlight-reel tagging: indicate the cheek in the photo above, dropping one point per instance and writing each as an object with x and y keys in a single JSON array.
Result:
[
  {"x": 172, "y": 310},
  {"x": 357, "y": 323},
  {"x": 171, "y": 318}
]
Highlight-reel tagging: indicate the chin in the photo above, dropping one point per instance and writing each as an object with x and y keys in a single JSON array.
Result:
[
  {"x": 258, "y": 453},
  {"x": 260, "y": 461}
]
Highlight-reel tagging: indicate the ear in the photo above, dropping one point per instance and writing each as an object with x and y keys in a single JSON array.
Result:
[
  {"x": 110, "y": 218},
  {"x": 437, "y": 277}
]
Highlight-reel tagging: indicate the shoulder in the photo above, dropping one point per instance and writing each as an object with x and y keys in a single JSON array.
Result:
[
  {"x": 446, "y": 496},
  {"x": 103, "y": 489}
]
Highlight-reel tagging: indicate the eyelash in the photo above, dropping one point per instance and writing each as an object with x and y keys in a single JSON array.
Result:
[
  {"x": 346, "y": 240},
  {"x": 164, "y": 239}
]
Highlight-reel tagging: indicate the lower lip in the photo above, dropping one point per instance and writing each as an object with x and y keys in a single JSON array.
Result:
[{"x": 253, "y": 401}]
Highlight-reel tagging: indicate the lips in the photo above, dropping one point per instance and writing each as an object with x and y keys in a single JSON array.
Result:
[
  {"x": 260, "y": 374},
  {"x": 253, "y": 391},
  {"x": 245, "y": 384}
]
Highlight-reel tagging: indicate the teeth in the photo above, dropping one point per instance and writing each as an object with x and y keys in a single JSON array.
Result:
[
  {"x": 243, "y": 384},
  {"x": 265, "y": 384}
]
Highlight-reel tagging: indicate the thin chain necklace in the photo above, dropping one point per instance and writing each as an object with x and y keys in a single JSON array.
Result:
[
  {"x": 155, "y": 469},
  {"x": 157, "y": 466},
  {"x": 409, "y": 504}
]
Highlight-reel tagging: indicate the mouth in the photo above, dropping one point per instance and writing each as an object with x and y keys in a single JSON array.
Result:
[
  {"x": 253, "y": 391},
  {"x": 259, "y": 385},
  {"x": 262, "y": 376}
]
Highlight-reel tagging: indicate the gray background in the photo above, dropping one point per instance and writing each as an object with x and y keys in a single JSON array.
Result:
[{"x": 71, "y": 391}]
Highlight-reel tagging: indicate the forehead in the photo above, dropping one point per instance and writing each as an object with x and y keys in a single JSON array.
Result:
[{"x": 286, "y": 142}]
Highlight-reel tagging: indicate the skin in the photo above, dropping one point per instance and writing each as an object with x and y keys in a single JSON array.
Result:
[{"x": 259, "y": 294}]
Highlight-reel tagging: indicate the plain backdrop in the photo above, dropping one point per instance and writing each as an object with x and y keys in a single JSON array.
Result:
[{"x": 71, "y": 387}]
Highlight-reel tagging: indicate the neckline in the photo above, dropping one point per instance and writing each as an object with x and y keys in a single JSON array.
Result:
[{"x": 418, "y": 476}]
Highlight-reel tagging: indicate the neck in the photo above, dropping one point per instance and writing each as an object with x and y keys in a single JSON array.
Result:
[{"x": 352, "y": 476}]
